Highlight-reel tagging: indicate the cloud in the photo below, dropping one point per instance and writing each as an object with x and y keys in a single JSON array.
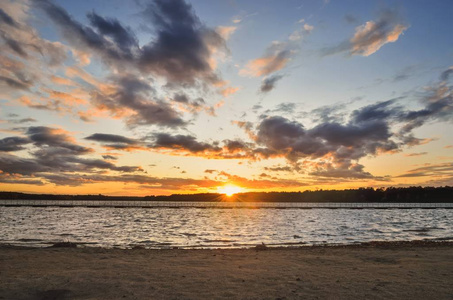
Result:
[
  {"x": 181, "y": 143},
  {"x": 15, "y": 84},
  {"x": 183, "y": 47},
  {"x": 135, "y": 97},
  {"x": 446, "y": 74},
  {"x": 371, "y": 36},
  {"x": 111, "y": 138},
  {"x": 54, "y": 151},
  {"x": 7, "y": 19},
  {"x": 275, "y": 58},
  {"x": 416, "y": 154},
  {"x": 305, "y": 30},
  {"x": 116, "y": 142},
  {"x": 24, "y": 120},
  {"x": 110, "y": 157},
  {"x": 54, "y": 137},
  {"x": 277, "y": 55},
  {"x": 181, "y": 54},
  {"x": 268, "y": 83},
  {"x": 83, "y": 37},
  {"x": 259, "y": 183},
  {"x": 344, "y": 169},
  {"x": 279, "y": 169},
  {"x": 226, "y": 31},
  {"x": 9, "y": 179},
  {"x": 11, "y": 144},
  {"x": 431, "y": 170},
  {"x": 351, "y": 19},
  {"x": 332, "y": 147},
  {"x": 194, "y": 106}
]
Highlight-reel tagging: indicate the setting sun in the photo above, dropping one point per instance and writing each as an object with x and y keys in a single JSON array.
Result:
[{"x": 229, "y": 190}]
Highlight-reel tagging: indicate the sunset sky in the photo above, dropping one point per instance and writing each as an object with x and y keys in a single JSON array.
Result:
[{"x": 171, "y": 96}]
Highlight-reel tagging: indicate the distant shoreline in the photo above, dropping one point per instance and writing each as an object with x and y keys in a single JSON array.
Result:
[{"x": 361, "y": 195}]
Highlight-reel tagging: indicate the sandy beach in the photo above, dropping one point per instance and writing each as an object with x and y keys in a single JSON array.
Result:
[{"x": 373, "y": 271}]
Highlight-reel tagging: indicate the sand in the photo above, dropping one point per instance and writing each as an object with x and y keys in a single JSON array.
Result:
[{"x": 377, "y": 271}]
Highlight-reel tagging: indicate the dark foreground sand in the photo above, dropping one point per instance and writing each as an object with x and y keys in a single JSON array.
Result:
[{"x": 377, "y": 271}]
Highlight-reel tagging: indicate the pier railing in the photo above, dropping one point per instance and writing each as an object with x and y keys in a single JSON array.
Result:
[{"x": 221, "y": 204}]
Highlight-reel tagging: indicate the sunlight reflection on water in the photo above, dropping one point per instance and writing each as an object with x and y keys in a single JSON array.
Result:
[{"x": 217, "y": 228}]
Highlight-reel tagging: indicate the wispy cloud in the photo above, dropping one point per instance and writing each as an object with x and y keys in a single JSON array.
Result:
[
  {"x": 371, "y": 36},
  {"x": 277, "y": 55}
]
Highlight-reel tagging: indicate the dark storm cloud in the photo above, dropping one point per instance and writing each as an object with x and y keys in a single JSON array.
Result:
[
  {"x": 11, "y": 144},
  {"x": 375, "y": 112},
  {"x": 438, "y": 106},
  {"x": 14, "y": 45},
  {"x": 111, "y": 157},
  {"x": 123, "y": 37},
  {"x": 366, "y": 132},
  {"x": 446, "y": 74},
  {"x": 85, "y": 164},
  {"x": 335, "y": 145},
  {"x": 144, "y": 180},
  {"x": 15, "y": 84},
  {"x": 279, "y": 169},
  {"x": 111, "y": 138},
  {"x": 344, "y": 143},
  {"x": 137, "y": 95},
  {"x": 5, "y": 18},
  {"x": 269, "y": 83},
  {"x": 236, "y": 145},
  {"x": 53, "y": 151},
  {"x": 15, "y": 180},
  {"x": 181, "y": 98},
  {"x": 285, "y": 137},
  {"x": 192, "y": 105},
  {"x": 181, "y": 142},
  {"x": 53, "y": 137},
  {"x": 12, "y": 164},
  {"x": 84, "y": 37},
  {"x": 352, "y": 134},
  {"x": 117, "y": 142},
  {"x": 181, "y": 51}
]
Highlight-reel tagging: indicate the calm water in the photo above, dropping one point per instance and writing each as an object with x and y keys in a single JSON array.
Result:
[{"x": 214, "y": 228}]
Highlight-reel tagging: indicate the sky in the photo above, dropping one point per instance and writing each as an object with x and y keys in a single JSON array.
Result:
[{"x": 173, "y": 96}]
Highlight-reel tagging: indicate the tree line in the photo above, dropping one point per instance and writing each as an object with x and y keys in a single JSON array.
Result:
[{"x": 416, "y": 194}]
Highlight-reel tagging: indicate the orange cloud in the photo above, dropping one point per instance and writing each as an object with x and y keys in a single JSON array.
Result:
[
  {"x": 369, "y": 38},
  {"x": 265, "y": 65}
]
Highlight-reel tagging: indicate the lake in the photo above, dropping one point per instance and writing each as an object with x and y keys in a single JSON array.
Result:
[{"x": 195, "y": 227}]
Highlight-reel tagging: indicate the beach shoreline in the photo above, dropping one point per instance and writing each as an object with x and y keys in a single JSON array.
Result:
[{"x": 376, "y": 270}]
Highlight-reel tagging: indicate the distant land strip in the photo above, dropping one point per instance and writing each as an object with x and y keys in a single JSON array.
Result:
[{"x": 361, "y": 195}]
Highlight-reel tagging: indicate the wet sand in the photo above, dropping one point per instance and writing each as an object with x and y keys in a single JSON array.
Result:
[{"x": 373, "y": 271}]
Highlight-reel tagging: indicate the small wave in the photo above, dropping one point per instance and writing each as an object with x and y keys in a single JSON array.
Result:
[
  {"x": 447, "y": 238},
  {"x": 188, "y": 234},
  {"x": 219, "y": 241},
  {"x": 423, "y": 229},
  {"x": 29, "y": 240}
]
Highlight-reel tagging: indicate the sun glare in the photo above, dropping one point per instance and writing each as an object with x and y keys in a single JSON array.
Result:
[{"x": 229, "y": 190}]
